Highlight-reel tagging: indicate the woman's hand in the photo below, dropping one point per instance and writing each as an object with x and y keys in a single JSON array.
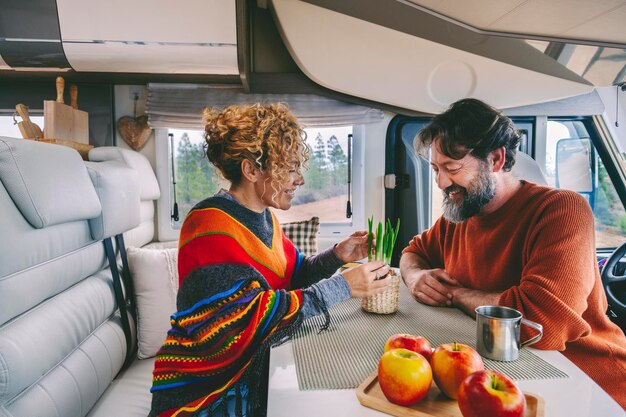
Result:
[
  {"x": 352, "y": 248},
  {"x": 364, "y": 280}
]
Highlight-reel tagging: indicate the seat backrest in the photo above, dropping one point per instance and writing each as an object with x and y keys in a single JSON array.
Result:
[
  {"x": 61, "y": 342},
  {"x": 149, "y": 190},
  {"x": 526, "y": 168}
]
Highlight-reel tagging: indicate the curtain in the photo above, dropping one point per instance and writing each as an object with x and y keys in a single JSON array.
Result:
[{"x": 180, "y": 106}]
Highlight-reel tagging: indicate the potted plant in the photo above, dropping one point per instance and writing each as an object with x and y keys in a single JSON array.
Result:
[
  {"x": 385, "y": 241},
  {"x": 380, "y": 247}
]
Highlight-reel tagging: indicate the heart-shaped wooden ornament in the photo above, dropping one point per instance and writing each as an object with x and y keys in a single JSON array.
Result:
[{"x": 134, "y": 130}]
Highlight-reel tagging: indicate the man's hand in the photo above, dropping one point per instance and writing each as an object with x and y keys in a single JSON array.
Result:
[
  {"x": 467, "y": 299},
  {"x": 430, "y": 286},
  {"x": 436, "y": 288}
]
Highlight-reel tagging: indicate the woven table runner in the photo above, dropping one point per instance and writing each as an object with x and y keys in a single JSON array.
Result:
[{"x": 345, "y": 354}]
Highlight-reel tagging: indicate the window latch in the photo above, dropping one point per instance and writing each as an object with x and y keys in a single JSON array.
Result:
[{"x": 393, "y": 181}]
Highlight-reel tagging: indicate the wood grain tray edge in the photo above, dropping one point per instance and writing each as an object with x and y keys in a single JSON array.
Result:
[
  {"x": 64, "y": 122},
  {"x": 81, "y": 148},
  {"x": 435, "y": 404}
]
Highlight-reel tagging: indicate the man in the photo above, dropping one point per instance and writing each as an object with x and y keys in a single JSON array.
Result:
[{"x": 502, "y": 241}]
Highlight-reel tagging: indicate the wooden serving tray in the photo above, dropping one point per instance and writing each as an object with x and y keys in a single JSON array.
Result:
[
  {"x": 435, "y": 404},
  {"x": 83, "y": 149},
  {"x": 64, "y": 122}
]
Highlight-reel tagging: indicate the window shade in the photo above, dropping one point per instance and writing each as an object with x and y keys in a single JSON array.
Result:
[{"x": 180, "y": 106}]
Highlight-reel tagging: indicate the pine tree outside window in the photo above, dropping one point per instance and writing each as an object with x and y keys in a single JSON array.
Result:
[{"x": 324, "y": 194}]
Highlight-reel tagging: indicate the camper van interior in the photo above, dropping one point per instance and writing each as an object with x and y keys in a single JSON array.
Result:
[{"x": 103, "y": 155}]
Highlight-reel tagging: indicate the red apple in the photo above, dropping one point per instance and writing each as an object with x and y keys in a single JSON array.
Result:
[
  {"x": 404, "y": 376},
  {"x": 417, "y": 344},
  {"x": 451, "y": 364},
  {"x": 490, "y": 393}
]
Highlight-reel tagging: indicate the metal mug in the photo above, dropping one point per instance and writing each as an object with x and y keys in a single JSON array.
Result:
[{"x": 498, "y": 332}]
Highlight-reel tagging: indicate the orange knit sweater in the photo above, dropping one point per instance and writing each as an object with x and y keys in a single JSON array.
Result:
[{"x": 538, "y": 249}]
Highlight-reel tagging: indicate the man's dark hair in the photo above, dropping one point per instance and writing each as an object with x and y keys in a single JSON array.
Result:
[{"x": 470, "y": 126}]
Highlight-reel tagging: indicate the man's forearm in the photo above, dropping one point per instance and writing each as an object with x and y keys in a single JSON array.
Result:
[
  {"x": 467, "y": 299},
  {"x": 410, "y": 262}
]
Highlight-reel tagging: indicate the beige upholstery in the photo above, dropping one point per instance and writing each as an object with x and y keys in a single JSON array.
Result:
[
  {"x": 528, "y": 169},
  {"x": 61, "y": 342}
]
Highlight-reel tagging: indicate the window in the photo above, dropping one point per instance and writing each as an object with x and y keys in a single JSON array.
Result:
[
  {"x": 562, "y": 146},
  {"x": 195, "y": 177},
  {"x": 572, "y": 162},
  {"x": 9, "y": 128},
  {"x": 325, "y": 192}
]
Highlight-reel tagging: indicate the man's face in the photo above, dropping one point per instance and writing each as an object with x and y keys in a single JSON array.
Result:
[{"x": 466, "y": 183}]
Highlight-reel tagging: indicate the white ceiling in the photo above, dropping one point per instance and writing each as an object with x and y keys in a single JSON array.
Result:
[
  {"x": 406, "y": 71},
  {"x": 388, "y": 63},
  {"x": 596, "y": 20},
  {"x": 150, "y": 36}
]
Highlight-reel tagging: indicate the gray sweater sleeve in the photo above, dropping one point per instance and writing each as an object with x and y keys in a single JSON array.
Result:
[
  {"x": 329, "y": 291},
  {"x": 315, "y": 268}
]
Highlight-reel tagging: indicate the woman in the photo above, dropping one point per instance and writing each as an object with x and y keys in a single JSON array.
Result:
[{"x": 243, "y": 285}]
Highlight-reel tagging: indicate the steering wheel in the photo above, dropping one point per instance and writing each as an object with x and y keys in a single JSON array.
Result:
[{"x": 610, "y": 282}]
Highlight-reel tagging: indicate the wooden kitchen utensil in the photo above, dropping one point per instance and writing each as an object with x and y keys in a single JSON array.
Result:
[
  {"x": 134, "y": 130},
  {"x": 435, "y": 404},
  {"x": 62, "y": 121},
  {"x": 28, "y": 129},
  {"x": 74, "y": 96},
  {"x": 60, "y": 85}
]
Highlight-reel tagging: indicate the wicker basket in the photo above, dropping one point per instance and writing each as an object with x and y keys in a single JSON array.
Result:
[{"x": 385, "y": 302}]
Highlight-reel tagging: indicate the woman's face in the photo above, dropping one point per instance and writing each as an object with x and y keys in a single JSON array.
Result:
[{"x": 285, "y": 190}]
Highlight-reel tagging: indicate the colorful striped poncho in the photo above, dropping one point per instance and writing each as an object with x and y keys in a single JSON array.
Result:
[
  {"x": 215, "y": 343},
  {"x": 234, "y": 267},
  {"x": 214, "y": 232}
]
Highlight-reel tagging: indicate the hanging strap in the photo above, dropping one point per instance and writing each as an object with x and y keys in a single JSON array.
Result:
[
  {"x": 119, "y": 295},
  {"x": 128, "y": 282}
]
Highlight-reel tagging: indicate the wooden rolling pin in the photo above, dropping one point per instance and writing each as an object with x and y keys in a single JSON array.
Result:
[
  {"x": 60, "y": 83},
  {"x": 74, "y": 96}
]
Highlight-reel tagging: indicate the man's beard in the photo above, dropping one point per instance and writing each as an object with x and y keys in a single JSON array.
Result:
[{"x": 480, "y": 192}]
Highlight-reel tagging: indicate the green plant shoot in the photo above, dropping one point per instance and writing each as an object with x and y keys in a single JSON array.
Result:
[
  {"x": 370, "y": 223},
  {"x": 379, "y": 242},
  {"x": 385, "y": 240}
]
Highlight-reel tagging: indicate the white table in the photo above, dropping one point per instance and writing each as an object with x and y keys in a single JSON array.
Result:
[{"x": 576, "y": 396}]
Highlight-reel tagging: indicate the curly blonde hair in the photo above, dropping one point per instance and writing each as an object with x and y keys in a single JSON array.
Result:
[{"x": 267, "y": 134}]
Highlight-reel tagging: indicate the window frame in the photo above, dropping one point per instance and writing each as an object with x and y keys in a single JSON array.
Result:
[
  {"x": 602, "y": 146},
  {"x": 597, "y": 128},
  {"x": 603, "y": 143},
  {"x": 35, "y": 115},
  {"x": 357, "y": 198},
  {"x": 166, "y": 232}
]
